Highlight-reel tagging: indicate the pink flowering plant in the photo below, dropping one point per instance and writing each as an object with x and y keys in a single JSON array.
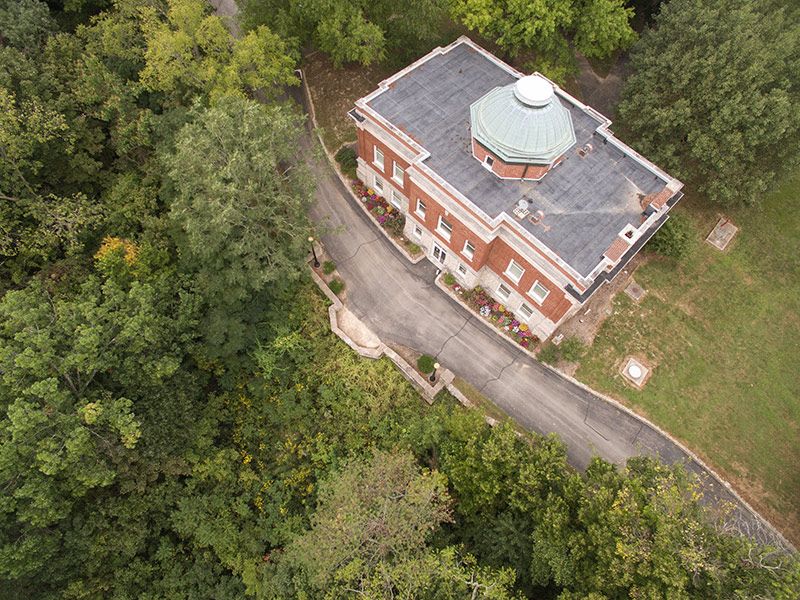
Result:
[
  {"x": 487, "y": 307},
  {"x": 384, "y": 213}
]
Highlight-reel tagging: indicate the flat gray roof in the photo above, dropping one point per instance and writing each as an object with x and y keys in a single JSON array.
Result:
[{"x": 586, "y": 201}]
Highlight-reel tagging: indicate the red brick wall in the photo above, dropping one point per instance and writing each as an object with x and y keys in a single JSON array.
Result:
[
  {"x": 554, "y": 306},
  {"x": 512, "y": 171},
  {"x": 461, "y": 233},
  {"x": 366, "y": 144}
]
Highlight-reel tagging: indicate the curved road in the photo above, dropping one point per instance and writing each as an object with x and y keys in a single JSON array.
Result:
[{"x": 400, "y": 303}]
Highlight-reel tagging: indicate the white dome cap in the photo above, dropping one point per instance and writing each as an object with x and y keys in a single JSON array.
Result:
[{"x": 534, "y": 90}]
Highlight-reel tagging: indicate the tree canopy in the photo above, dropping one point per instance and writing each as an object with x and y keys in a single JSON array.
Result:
[
  {"x": 177, "y": 419},
  {"x": 596, "y": 27},
  {"x": 712, "y": 95}
]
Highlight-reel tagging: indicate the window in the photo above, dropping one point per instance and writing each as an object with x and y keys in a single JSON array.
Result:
[
  {"x": 469, "y": 250},
  {"x": 439, "y": 254},
  {"x": 398, "y": 173},
  {"x": 418, "y": 232},
  {"x": 378, "y": 185},
  {"x": 397, "y": 200},
  {"x": 526, "y": 311},
  {"x": 539, "y": 292},
  {"x": 514, "y": 271},
  {"x": 444, "y": 228},
  {"x": 503, "y": 292},
  {"x": 421, "y": 208},
  {"x": 488, "y": 161},
  {"x": 462, "y": 269},
  {"x": 378, "y": 158}
]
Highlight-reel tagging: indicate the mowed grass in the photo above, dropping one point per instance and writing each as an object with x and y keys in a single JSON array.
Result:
[{"x": 723, "y": 333}]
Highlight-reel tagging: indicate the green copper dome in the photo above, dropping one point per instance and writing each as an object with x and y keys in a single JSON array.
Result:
[{"x": 523, "y": 122}]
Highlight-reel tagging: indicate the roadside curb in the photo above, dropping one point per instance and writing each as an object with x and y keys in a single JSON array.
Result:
[
  {"x": 345, "y": 181},
  {"x": 779, "y": 538}
]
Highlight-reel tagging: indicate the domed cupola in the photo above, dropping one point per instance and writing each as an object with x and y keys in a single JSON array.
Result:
[{"x": 523, "y": 126}]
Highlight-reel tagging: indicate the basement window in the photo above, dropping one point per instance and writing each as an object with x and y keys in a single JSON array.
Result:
[
  {"x": 525, "y": 311},
  {"x": 462, "y": 269},
  {"x": 488, "y": 161},
  {"x": 418, "y": 232},
  {"x": 378, "y": 185},
  {"x": 503, "y": 292},
  {"x": 397, "y": 200}
]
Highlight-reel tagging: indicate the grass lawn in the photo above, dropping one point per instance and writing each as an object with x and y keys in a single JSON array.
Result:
[{"x": 723, "y": 332}]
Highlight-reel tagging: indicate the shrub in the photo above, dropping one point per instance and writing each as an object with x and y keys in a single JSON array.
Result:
[
  {"x": 425, "y": 364},
  {"x": 379, "y": 210},
  {"x": 549, "y": 354},
  {"x": 571, "y": 349},
  {"x": 328, "y": 267},
  {"x": 413, "y": 248},
  {"x": 674, "y": 238},
  {"x": 336, "y": 286},
  {"x": 448, "y": 279},
  {"x": 395, "y": 224},
  {"x": 347, "y": 159}
]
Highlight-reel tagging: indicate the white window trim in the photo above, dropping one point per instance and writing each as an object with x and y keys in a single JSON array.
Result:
[
  {"x": 420, "y": 212},
  {"x": 469, "y": 255},
  {"x": 525, "y": 305},
  {"x": 499, "y": 293},
  {"x": 442, "y": 231},
  {"x": 462, "y": 269},
  {"x": 378, "y": 185},
  {"x": 375, "y": 161},
  {"x": 510, "y": 275},
  {"x": 401, "y": 179},
  {"x": 534, "y": 296},
  {"x": 486, "y": 162},
  {"x": 417, "y": 232},
  {"x": 396, "y": 200}
]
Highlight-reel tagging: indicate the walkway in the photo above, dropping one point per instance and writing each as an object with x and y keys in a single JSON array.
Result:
[{"x": 401, "y": 304}]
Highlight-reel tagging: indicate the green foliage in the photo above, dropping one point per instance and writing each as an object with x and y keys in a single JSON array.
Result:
[
  {"x": 549, "y": 354},
  {"x": 572, "y": 349},
  {"x": 353, "y": 31},
  {"x": 675, "y": 237},
  {"x": 176, "y": 418},
  {"x": 24, "y": 23},
  {"x": 413, "y": 248},
  {"x": 448, "y": 279},
  {"x": 336, "y": 286},
  {"x": 713, "y": 93},
  {"x": 239, "y": 210},
  {"x": 328, "y": 267},
  {"x": 347, "y": 159},
  {"x": 193, "y": 52},
  {"x": 596, "y": 27},
  {"x": 425, "y": 364}
]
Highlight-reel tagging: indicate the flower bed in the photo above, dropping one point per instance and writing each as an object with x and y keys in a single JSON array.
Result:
[
  {"x": 386, "y": 215},
  {"x": 481, "y": 302}
]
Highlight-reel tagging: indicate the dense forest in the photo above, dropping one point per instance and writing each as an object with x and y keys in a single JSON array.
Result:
[{"x": 176, "y": 419}]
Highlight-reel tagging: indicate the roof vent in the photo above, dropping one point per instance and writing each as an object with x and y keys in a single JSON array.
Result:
[
  {"x": 534, "y": 90},
  {"x": 537, "y": 216},
  {"x": 521, "y": 211}
]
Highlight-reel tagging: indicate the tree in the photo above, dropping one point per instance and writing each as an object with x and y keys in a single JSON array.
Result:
[
  {"x": 369, "y": 534},
  {"x": 240, "y": 211},
  {"x": 360, "y": 31},
  {"x": 24, "y": 23},
  {"x": 192, "y": 52},
  {"x": 713, "y": 92},
  {"x": 598, "y": 27}
]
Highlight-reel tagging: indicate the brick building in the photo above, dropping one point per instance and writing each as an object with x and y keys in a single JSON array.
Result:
[{"x": 507, "y": 181}]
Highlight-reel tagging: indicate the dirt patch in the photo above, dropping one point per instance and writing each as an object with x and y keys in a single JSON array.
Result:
[
  {"x": 356, "y": 330},
  {"x": 585, "y": 324},
  {"x": 334, "y": 92}
]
